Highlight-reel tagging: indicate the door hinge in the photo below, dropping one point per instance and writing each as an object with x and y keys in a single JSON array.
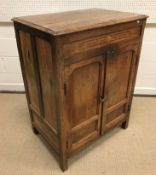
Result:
[{"x": 65, "y": 89}]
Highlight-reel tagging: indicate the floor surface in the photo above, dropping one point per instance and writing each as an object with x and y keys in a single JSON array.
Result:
[{"x": 120, "y": 152}]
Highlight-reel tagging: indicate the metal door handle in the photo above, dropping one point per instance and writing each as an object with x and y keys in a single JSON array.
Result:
[{"x": 102, "y": 99}]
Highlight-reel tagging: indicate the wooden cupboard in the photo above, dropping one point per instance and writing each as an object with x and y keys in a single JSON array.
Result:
[{"x": 79, "y": 70}]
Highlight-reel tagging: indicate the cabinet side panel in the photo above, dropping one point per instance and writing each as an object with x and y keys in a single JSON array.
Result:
[
  {"x": 44, "y": 55},
  {"x": 29, "y": 68}
]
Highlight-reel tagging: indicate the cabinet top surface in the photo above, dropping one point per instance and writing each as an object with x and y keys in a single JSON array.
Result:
[{"x": 78, "y": 20}]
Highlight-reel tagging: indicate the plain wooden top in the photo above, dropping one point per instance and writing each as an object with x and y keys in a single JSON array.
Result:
[{"x": 78, "y": 20}]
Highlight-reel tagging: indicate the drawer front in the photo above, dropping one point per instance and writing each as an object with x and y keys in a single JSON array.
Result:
[{"x": 77, "y": 47}]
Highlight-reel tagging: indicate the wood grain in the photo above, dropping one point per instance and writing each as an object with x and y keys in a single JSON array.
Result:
[
  {"x": 46, "y": 73},
  {"x": 79, "y": 70},
  {"x": 78, "y": 20},
  {"x": 29, "y": 64}
]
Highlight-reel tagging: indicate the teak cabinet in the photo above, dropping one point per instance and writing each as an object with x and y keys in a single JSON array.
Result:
[{"x": 79, "y": 70}]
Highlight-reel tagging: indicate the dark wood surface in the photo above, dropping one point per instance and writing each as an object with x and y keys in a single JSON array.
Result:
[
  {"x": 79, "y": 85},
  {"x": 78, "y": 20}
]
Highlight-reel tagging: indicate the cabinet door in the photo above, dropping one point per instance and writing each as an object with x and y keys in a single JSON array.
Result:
[
  {"x": 83, "y": 88},
  {"x": 119, "y": 78}
]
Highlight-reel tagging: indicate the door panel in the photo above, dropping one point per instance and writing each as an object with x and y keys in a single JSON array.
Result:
[
  {"x": 84, "y": 83},
  {"x": 45, "y": 61},
  {"x": 118, "y": 79},
  {"x": 112, "y": 115}
]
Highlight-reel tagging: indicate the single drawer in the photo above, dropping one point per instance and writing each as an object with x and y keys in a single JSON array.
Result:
[{"x": 76, "y": 47}]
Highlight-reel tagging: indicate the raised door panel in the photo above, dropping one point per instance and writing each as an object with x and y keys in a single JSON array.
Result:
[
  {"x": 119, "y": 75},
  {"x": 84, "y": 83},
  {"x": 29, "y": 62},
  {"x": 46, "y": 72}
]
